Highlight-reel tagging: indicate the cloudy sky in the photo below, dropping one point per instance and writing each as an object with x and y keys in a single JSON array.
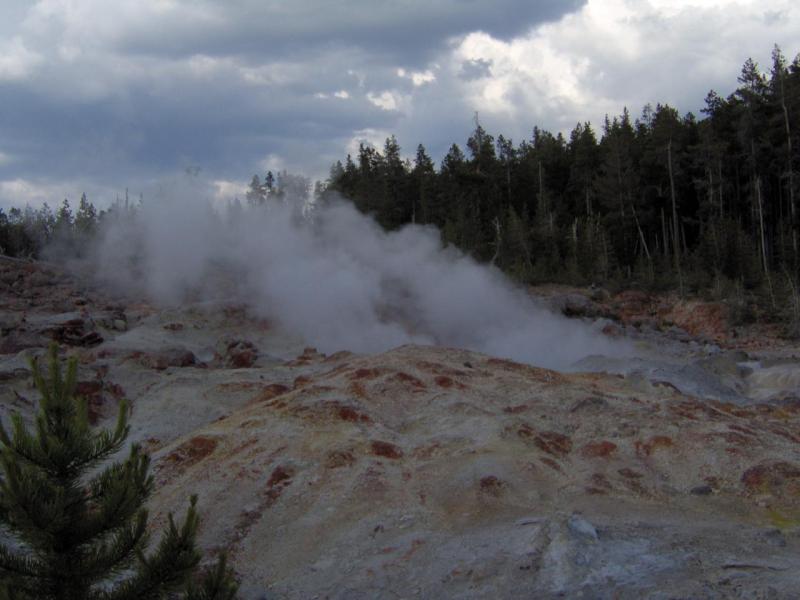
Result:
[{"x": 98, "y": 96}]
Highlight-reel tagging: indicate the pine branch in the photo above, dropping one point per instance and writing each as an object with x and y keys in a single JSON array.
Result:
[
  {"x": 101, "y": 445},
  {"x": 19, "y": 566},
  {"x": 21, "y": 443},
  {"x": 64, "y": 449},
  {"x": 116, "y": 555},
  {"x": 116, "y": 496},
  {"x": 169, "y": 567},
  {"x": 22, "y": 494},
  {"x": 18, "y": 591},
  {"x": 216, "y": 583}
]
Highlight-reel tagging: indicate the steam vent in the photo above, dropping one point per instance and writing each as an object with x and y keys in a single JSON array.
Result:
[{"x": 433, "y": 472}]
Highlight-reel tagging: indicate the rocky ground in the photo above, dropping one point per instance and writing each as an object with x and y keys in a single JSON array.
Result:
[{"x": 428, "y": 472}]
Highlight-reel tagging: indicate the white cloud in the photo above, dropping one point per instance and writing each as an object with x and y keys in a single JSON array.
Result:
[
  {"x": 616, "y": 53},
  {"x": 368, "y": 137},
  {"x": 526, "y": 78},
  {"x": 202, "y": 65},
  {"x": 21, "y": 192},
  {"x": 130, "y": 90},
  {"x": 385, "y": 100},
  {"x": 341, "y": 94},
  {"x": 418, "y": 78},
  {"x": 17, "y": 61},
  {"x": 225, "y": 191},
  {"x": 272, "y": 162}
]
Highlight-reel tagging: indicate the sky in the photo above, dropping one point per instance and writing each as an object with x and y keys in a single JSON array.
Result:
[{"x": 99, "y": 96}]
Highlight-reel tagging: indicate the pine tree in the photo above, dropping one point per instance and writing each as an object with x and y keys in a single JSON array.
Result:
[
  {"x": 62, "y": 229},
  {"x": 584, "y": 163},
  {"x": 269, "y": 183},
  {"x": 423, "y": 187},
  {"x": 395, "y": 209},
  {"x": 664, "y": 199},
  {"x": 255, "y": 194},
  {"x": 481, "y": 146},
  {"x": 78, "y": 533},
  {"x": 86, "y": 217}
]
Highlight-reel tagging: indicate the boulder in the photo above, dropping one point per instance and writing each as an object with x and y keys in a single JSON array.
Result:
[
  {"x": 240, "y": 354},
  {"x": 170, "y": 357}
]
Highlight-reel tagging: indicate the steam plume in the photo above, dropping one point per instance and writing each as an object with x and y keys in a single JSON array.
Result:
[{"x": 337, "y": 280}]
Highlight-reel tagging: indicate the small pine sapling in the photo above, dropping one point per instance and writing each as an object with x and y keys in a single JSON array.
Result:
[{"x": 71, "y": 532}]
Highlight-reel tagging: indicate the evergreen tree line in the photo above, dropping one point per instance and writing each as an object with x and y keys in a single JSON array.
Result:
[
  {"x": 286, "y": 187},
  {"x": 661, "y": 201},
  {"x": 26, "y": 232}
]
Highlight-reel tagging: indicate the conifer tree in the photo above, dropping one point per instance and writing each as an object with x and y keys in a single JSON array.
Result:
[
  {"x": 73, "y": 532},
  {"x": 423, "y": 187},
  {"x": 655, "y": 200}
]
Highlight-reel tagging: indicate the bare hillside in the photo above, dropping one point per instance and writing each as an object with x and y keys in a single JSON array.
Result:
[{"x": 435, "y": 472}]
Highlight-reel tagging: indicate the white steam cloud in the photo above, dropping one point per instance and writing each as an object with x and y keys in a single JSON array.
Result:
[{"x": 337, "y": 280}]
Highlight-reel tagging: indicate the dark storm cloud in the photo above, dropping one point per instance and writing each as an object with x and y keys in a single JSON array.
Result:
[
  {"x": 214, "y": 128},
  {"x": 116, "y": 93},
  {"x": 104, "y": 95},
  {"x": 405, "y": 31},
  {"x": 170, "y": 120}
]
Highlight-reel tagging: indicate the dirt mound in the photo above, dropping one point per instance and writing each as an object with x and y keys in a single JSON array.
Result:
[{"x": 459, "y": 474}]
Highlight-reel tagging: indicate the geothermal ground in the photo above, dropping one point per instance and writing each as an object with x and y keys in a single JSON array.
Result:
[{"x": 430, "y": 472}]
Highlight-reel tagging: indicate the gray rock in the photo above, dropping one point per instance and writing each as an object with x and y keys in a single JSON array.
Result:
[
  {"x": 599, "y": 294},
  {"x": 170, "y": 357},
  {"x": 776, "y": 537},
  {"x": 580, "y": 527},
  {"x": 679, "y": 334}
]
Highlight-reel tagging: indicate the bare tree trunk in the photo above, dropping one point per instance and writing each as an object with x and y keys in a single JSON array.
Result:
[
  {"x": 588, "y": 202},
  {"x": 480, "y": 144},
  {"x": 792, "y": 208},
  {"x": 683, "y": 239},
  {"x": 644, "y": 242},
  {"x": 756, "y": 181},
  {"x": 498, "y": 240},
  {"x": 715, "y": 239},
  {"x": 763, "y": 238},
  {"x": 762, "y": 233},
  {"x": 542, "y": 206},
  {"x": 423, "y": 205},
  {"x": 795, "y": 300},
  {"x": 619, "y": 187},
  {"x": 675, "y": 242},
  {"x": 676, "y": 245},
  {"x": 710, "y": 189},
  {"x": 527, "y": 252},
  {"x": 719, "y": 183}
]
